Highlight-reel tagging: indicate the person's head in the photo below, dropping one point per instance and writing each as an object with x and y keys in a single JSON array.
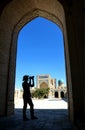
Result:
[{"x": 25, "y": 77}]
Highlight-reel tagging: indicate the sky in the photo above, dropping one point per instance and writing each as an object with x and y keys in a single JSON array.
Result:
[{"x": 40, "y": 50}]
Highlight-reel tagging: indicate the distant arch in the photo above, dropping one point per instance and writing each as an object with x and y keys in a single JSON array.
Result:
[
  {"x": 56, "y": 94},
  {"x": 43, "y": 85},
  {"x": 62, "y": 94}
]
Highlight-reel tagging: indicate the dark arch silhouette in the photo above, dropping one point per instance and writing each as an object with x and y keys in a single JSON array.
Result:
[
  {"x": 56, "y": 94},
  {"x": 62, "y": 94}
]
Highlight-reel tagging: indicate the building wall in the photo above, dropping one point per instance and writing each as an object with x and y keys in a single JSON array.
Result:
[
  {"x": 61, "y": 92},
  {"x": 46, "y": 81}
]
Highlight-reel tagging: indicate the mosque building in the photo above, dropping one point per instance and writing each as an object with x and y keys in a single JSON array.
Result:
[{"x": 46, "y": 81}]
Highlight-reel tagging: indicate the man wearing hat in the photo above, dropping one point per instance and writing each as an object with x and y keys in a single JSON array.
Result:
[{"x": 27, "y": 96}]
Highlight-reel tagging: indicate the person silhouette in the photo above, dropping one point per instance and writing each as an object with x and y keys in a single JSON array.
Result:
[{"x": 27, "y": 96}]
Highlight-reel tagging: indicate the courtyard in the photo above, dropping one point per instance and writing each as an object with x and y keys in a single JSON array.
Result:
[{"x": 52, "y": 114}]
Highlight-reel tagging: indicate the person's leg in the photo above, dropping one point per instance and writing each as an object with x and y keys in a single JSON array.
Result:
[
  {"x": 24, "y": 109},
  {"x": 31, "y": 109}
]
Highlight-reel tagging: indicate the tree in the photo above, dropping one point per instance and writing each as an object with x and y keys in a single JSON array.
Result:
[{"x": 40, "y": 93}]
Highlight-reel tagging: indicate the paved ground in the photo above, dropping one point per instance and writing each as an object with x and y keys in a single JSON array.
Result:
[{"x": 52, "y": 115}]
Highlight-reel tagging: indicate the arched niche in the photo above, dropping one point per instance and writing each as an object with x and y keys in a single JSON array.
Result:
[
  {"x": 62, "y": 94},
  {"x": 43, "y": 85},
  {"x": 56, "y": 94}
]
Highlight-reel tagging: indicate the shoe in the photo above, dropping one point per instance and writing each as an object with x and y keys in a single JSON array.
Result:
[
  {"x": 34, "y": 117},
  {"x": 25, "y": 119}
]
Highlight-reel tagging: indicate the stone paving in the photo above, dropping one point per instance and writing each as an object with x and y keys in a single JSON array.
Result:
[{"x": 52, "y": 115}]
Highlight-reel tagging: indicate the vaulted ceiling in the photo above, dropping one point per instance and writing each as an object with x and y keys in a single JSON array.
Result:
[{"x": 3, "y": 3}]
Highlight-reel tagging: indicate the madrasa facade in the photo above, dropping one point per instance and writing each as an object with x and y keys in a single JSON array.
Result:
[{"x": 46, "y": 81}]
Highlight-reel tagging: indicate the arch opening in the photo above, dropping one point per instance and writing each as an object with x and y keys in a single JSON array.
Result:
[
  {"x": 62, "y": 94},
  {"x": 54, "y": 20},
  {"x": 43, "y": 85},
  {"x": 56, "y": 95},
  {"x": 44, "y": 52}
]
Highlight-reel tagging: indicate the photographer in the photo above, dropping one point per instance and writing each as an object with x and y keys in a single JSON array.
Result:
[{"x": 27, "y": 83}]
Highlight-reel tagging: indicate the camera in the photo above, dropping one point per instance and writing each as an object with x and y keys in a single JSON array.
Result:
[{"x": 31, "y": 77}]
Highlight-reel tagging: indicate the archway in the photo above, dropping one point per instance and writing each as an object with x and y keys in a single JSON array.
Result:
[
  {"x": 43, "y": 85},
  {"x": 56, "y": 94},
  {"x": 54, "y": 12},
  {"x": 62, "y": 94}
]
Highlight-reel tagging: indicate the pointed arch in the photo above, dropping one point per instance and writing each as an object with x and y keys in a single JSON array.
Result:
[{"x": 43, "y": 85}]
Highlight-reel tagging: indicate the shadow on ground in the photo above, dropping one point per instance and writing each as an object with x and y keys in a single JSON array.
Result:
[
  {"x": 52, "y": 119},
  {"x": 65, "y": 99}
]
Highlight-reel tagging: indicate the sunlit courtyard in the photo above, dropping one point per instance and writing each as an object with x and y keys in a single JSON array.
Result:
[{"x": 51, "y": 103}]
